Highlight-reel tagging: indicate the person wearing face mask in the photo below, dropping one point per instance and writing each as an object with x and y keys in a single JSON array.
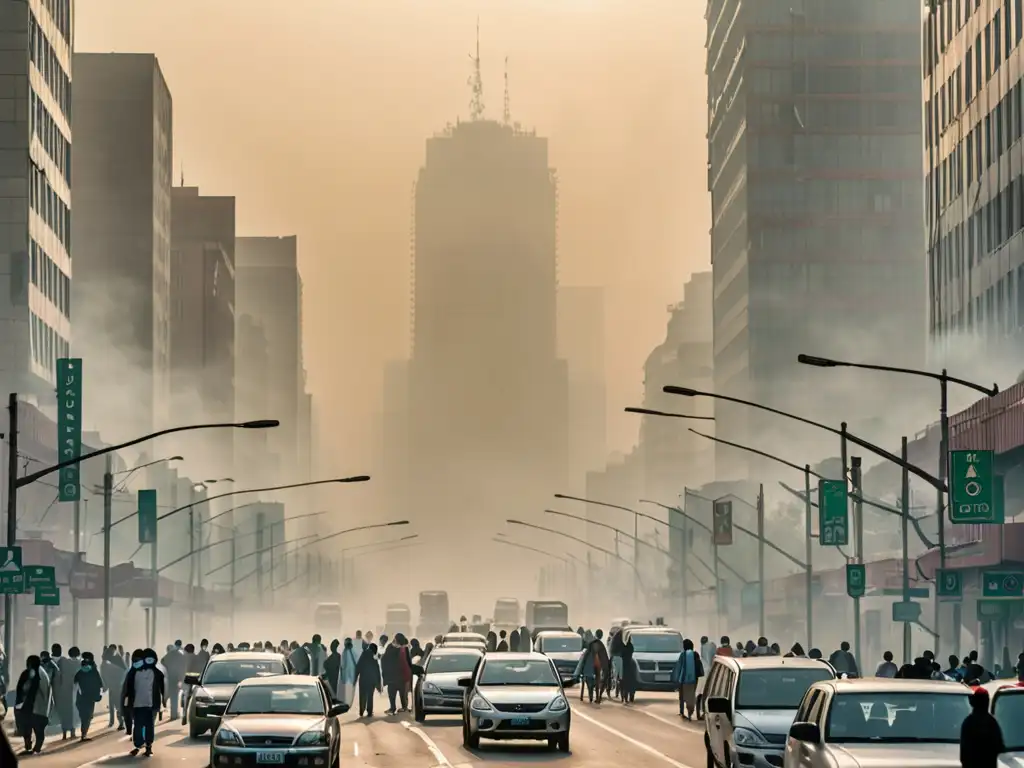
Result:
[
  {"x": 32, "y": 704},
  {"x": 63, "y": 687},
  {"x": 112, "y": 671},
  {"x": 174, "y": 670},
  {"x": 204, "y": 654},
  {"x": 90, "y": 690},
  {"x": 144, "y": 694}
]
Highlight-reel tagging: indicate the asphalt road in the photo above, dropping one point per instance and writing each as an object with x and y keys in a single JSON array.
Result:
[{"x": 649, "y": 732}]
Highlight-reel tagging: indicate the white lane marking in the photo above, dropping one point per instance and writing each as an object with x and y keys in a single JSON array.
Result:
[
  {"x": 99, "y": 760},
  {"x": 688, "y": 727},
  {"x": 431, "y": 746},
  {"x": 355, "y": 748},
  {"x": 639, "y": 744}
]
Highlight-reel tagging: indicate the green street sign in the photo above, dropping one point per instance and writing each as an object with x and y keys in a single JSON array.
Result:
[
  {"x": 12, "y": 578},
  {"x": 147, "y": 516},
  {"x": 856, "y": 579},
  {"x": 972, "y": 495},
  {"x": 69, "y": 425},
  {"x": 723, "y": 523},
  {"x": 949, "y": 584},
  {"x": 1002, "y": 584},
  {"x": 40, "y": 576},
  {"x": 833, "y": 514},
  {"x": 47, "y": 596},
  {"x": 906, "y": 612}
]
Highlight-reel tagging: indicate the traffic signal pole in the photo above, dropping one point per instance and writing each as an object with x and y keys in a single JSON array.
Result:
[
  {"x": 905, "y": 504},
  {"x": 856, "y": 476},
  {"x": 940, "y": 505},
  {"x": 108, "y": 493},
  {"x": 12, "y": 522}
]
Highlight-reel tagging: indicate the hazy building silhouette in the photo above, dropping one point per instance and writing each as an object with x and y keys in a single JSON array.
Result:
[
  {"x": 254, "y": 461},
  {"x": 122, "y": 225},
  {"x": 35, "y": 193},
  {"x": 486, "y": 394},
  {"x": 814, "y": 169}
]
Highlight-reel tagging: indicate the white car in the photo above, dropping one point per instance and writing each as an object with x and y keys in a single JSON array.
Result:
[
  {"x": 1007, "y": 706},
  {"x": 880, "y": 722}
]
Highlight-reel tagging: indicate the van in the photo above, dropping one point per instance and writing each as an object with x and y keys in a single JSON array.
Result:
[{"x": 655, "y": 651}]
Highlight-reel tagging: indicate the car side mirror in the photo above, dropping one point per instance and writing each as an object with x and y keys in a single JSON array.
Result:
[
  {"x": 465, "y": 682},
  {"x": 192, "y": 678},
  {"x": 338, "y": 709},
  {"x": 809, "y": 732},
  {"x": 417, "y": 669},
  {"x": 718, "y": 705}
]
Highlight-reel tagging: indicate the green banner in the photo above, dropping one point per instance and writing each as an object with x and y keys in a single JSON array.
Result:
[
  {"x": 147, "y": 516},
  {"x": 69, "y": 425}
]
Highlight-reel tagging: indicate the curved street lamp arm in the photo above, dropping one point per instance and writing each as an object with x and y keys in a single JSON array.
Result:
[
  {"x": 195, "y": 551},
  {"x": 696, "y": 522},
  {"x": 827, "y": 362},
  {"x": 669, "y": 508},
  {"x": 591, "y": 501},
  {"x": 756, "y": 452},
  {"x": 271, "y": 548},
  {"x": 336, "y": 534},
  {"x": 565, "y": 560}
]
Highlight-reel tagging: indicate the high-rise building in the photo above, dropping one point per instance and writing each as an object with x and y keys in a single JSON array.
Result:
[
  {"x": 35, "y": 192},
  {"x": 203, "y": 322},
  {"x": 253, "y": 460},
  {"x": 814, "y": 169},
  {"x": 122, "y": 225},
  {"x": 975, "y": 205},
  {"x": 487, "y": 395}
]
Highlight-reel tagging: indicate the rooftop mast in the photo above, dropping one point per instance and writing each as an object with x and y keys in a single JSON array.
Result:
[
  {"x": 507, "y": 118},
  {"x": 476, "y": 82}
]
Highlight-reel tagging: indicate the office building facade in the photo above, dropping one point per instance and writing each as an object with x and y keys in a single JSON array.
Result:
[{"x": 122, "y": 186}]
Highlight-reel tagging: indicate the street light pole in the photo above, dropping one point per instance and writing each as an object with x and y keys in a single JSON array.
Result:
[
  {"x": 905, "y": 503},
  {"x": 762, "y": 630},
  {"x": 108, "y": 489},
  {"x": 856, "y": 479}
]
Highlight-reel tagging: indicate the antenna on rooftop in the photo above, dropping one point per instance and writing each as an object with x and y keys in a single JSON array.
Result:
[
  {"x": 183, "y": 173},
  {"x": 507, "y": 117},
  {"x": 476, "y": 82}
]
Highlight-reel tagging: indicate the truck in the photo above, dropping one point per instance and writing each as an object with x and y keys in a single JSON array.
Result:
[
  {"x": 435, "y": 614},
  {"x": 507, "y": 613},
  {"x": 398, "y": 619},
  {"x": 546, "y": 614}
]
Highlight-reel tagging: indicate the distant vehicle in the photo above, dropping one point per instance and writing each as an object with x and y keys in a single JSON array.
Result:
[
  {"x": 507, "y": 612},
  {"x": 655, "y": 651},
  {"x": 327, "y": 619},
  {"x": 435, "y": 613},
  {"x": 480, "y": 629},
  {"x": 437, "y": 690},
  {"x": 398, "y": 618},
  {"x": 214, "y": 686},
  {"x": 463, "y": 637},
  {"x": 562, "y": 647},
  {"x": 546, "y": 614}
]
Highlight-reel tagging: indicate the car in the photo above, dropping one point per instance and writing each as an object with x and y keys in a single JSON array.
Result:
[
  {"x": 655, "y": 651},
  {"x": 881, "y": 722},
  {"x": 437, "y": 690},
  {"x": 286, "y": 720},
  {"x": 750, "y": 704},
  {"x": 515, "y": 696},
  {"x": 214, "y": 685},
  {"x": 1007, "y": 706},
  {"x": 463, "y": 637},
  {"x": 564, "y": 649}
]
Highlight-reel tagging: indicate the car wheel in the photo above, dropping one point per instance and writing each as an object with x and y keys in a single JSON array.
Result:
[{"x": 563, "y": 742}]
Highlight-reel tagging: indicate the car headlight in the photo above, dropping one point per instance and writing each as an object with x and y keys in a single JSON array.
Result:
[
  {"x": 479, "y": 702},
  {"x": 431, "y": 689},
  {"x": 315, "y": 737},
  {"x": 745, "y": 737},
  {"x": 228, "y": 737},
  {"x": 559, "y": 704},
  {"x": 203, "y": 696}
]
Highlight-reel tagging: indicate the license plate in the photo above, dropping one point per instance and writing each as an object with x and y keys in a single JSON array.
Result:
[
  {"x": 520, "y": 722},
  {"x": 663, "y": 678},
  {"x": 270, "y": 758}
]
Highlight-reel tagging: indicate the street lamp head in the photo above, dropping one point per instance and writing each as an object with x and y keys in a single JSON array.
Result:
[
  {"x": 260, "y": 424},
  {"x": 561, "y": 496},
  {"x": 175, "y": 458},
  {"x": 513, "y": 521},
  {"x": 817, "y": 362},
  {"x": 672, "y": 389},
  {"x": 399, "y": 522},
  {"x": 641, "y": 411},
  {"x": 407, "y": 538},
  {"x": 356, "y": 479}
]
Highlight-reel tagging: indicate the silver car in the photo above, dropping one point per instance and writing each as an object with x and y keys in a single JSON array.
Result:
[
  {"x": 437, "y": 690},
  {"x": 564, "y": 649},
  {"x": 515, "y": 696},
  {"x": 880, "y": 722},
  {"x": 212, "y": 688}
]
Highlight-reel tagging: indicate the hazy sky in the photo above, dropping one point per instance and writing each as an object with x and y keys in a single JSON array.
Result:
[{"x": 313, "y": 113}]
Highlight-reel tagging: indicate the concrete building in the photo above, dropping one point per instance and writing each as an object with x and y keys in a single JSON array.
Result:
[
  {"x": 35, "y": 192},
  {"x": 487, "y": 395},
  {"x": 203, "y": 322},
  {"x": 253, "y": 461},
  {"x": 814, "y": 136},
  {"x": 973, "y": 154},
  {"x": 581, "y": 343},
  {"x": 122, "y": 186}
]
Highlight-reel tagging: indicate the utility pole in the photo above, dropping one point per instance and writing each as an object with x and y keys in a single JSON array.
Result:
[
  {"x": 108, "y": 495},
  {"x": 234, "y": 537},
  {"x": 12, "y": 520},
  {"x": 309, "y": 572},
  {"x": 761, "y": 629},
  {"x": 808, "y": 553},
  {"x": 259, "y": 557},
  {"x": 940, "y": 502},
  {"x": 153, "y": 567},
  {"x": 76, "y": 560},
  {"x": 858, "y": 532},
  {"x": 192, "y": 566},
  {"x": 683, "y": 577},
  {"x": 905, "y": 520}
]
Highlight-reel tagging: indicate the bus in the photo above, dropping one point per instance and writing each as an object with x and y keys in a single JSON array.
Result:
[
  {"x": 398, "y": 619},
  {"x": 435, "y": 614},
  {"x": 546, "y": 614},
  {"x": 327, "y": 620},
  {"x": 507, "y": 613}
]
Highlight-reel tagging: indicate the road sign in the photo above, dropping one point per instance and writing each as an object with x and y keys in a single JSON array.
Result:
[
  {"x": 833, "y": 514},
  {"x": 47, "y": 596},
  {"x": 40, "y": 576},
  {"x": 1002, "y": 584},
  {"x": 69, "y": 425},
  {"x": 950, "y": 584},
  {"x": 906, "y": 612},
  {"x": 147, "y": 516},
  {"x": 972, "y": 488},
  {"x": 856, "y": 580},
  {"x": 12, "y": 578},
  {"x": 723, "y": 523}
]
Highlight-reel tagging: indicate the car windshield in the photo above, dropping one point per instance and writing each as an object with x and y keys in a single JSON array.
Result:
[
  {"x": 287, "y": 699},
  {"x": 1008, "y": 709},
  {"x": 525, "y": 672},
  {"x": 234, "y": 672},
  {"x": 776, "y": 688},
  {"x": 561, "y": 644},
  {"x": 452, "y": 662},
  {"x": 897, "y": 717},
  {"x": 657, "y": 642}
]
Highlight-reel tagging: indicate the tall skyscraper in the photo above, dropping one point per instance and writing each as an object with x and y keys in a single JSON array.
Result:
[
  {"x": 35, "y": 192},
  {"x": 487, "y": 410},
  {"x": 814, "y": 169},
  {"x": 122, "y": 224}
]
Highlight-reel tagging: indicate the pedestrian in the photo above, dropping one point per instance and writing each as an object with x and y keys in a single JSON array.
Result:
[
  {"x": 332, "y": 667},
  {"x": 688, "y": 671},
  {"x": 112, "y": 671},
  {"x": 586, "y": 669},
  {"x": 629, "y": 672},
  {"x": 174, "y": 670},
  {"x": 888, "y": 667},
  {"x": 203, "y": 656},
  {"x": 725, "y": 647},
  {"x": 616, "y": 656},
  {"x": 502, "y": 642},
  {"x": 981, "y": 738},
  {"x": 391, "y": 676},
  {"x": 404, "y": 670},
  {"x": 492, "y": 641},
  {"x": 90, "y": 691},
  {"x": 64, "y": 688},
  {"x": 513, "y": 639},
  {"x": 843, "y": 661},
  {"x": 317, "y": 656},
  {"x": 603, "y": 665},
  {"x": 144, "y": 693},
  {"x": 32, "y": 704},
  {"x": 954, "y": 672},
  {"x": 525, "y": 641},
  {"x": 347, "y": 673},
  {"x": 796, "y": 652},
  {"x": 368, "y": 677}
]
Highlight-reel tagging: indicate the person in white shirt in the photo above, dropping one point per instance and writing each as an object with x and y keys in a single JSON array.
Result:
[
  {"x": 143, "y": 697},
  {"x": 888, "y": 667}
]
